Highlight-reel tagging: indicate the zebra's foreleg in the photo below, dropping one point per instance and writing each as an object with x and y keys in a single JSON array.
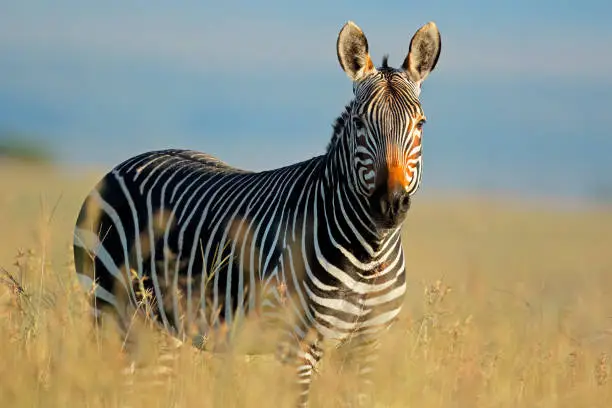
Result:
[
  {"x": 359, "y": 356},
  {"x": 304, "y": 354},
  {"x": 308, "y": 356}
]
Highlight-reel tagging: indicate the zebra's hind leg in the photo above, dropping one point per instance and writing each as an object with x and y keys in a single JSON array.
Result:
[
  {"x": 150, "y": 353},
  {"x": 153, "y": 369}
]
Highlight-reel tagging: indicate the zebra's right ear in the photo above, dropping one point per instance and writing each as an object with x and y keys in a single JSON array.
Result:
[{"x": 353, "y": 55}]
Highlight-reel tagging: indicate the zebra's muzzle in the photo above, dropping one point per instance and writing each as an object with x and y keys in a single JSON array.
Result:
[{"x": 391, "y": 206}]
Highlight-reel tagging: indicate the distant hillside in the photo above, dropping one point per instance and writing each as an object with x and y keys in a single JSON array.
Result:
[{"x": 24, "y": 147}]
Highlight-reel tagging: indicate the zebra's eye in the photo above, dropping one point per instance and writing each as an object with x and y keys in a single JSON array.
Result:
[
  {"x": 420, "y": 124},
  {"x": 358, "y": 123}
]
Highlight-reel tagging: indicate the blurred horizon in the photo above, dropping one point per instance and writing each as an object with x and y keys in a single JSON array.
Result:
[{"x": 518, "y": 104}]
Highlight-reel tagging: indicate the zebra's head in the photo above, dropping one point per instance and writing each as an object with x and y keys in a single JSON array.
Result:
[{"x": 386, "y": 119}]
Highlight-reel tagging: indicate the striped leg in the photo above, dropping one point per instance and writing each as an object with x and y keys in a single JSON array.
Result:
[
  {"x": 304, "y": 354},
  {"x": 153, "y": 359},
  {"x": 359, "y": 357},
  {"x": 307, "y": 360}
]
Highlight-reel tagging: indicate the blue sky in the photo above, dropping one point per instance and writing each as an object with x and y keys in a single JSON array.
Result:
[{"x": 520, "y": 103}]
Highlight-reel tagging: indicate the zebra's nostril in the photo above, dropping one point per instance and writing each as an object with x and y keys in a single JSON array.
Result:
[{"x": 405, "y": 202}]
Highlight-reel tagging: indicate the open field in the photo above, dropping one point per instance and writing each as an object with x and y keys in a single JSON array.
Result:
[{"x": 508, "y": 306}]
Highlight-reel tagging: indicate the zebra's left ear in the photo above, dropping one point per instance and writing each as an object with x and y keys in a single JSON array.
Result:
[{"x": 424, "y": 53}]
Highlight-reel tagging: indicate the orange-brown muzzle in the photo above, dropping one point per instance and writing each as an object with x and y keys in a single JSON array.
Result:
[{"x": 397, "y": 178}]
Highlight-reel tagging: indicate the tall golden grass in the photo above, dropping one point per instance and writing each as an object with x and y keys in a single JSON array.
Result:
[{"x": 508, "y": 306}]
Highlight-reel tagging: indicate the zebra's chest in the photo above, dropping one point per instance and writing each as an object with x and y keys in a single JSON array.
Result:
[{"x": 358, "y": 305}]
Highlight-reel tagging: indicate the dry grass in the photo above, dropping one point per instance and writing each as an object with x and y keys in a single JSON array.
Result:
[{"x": 507, "y": 307}]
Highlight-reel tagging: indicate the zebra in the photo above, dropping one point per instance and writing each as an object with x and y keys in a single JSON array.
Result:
[{"x": 319, "y": 240}]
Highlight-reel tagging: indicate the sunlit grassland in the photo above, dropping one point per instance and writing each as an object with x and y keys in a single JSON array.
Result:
[{"x": 508, "y": 306}]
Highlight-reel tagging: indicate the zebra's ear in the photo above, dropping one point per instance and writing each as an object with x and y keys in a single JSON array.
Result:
[
  {"x": 353, "y": 55},
  {"x": 424, "y": 52}
]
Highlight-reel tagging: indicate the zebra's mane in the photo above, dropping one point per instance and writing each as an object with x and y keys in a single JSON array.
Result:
[
  {"x": 385, "y": 61},
  {"x": 338, "y": 126}
]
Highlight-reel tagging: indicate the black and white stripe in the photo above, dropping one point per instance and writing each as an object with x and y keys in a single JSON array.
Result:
[{"x": 315, "y": 246}]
